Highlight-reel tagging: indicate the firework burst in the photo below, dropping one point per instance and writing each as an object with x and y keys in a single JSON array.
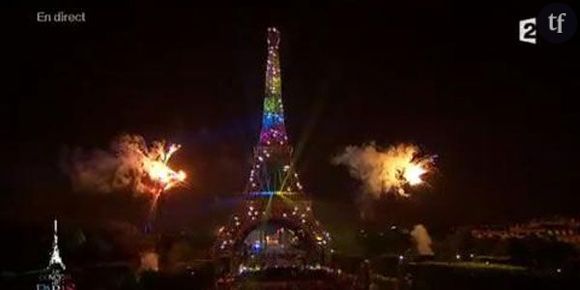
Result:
[
  {"x": 391, "y": 170},
  {"x": 129, "y": 164}
]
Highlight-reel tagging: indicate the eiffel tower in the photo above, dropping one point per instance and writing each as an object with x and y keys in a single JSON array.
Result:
[
  {"x": 54, "y": 276},
  {"x": 274, "y": 194}
]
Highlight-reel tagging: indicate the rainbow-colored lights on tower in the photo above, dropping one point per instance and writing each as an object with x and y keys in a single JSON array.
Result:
[
  {"x": 273, "y": 130},
  {"x": 272, "y": 171}
]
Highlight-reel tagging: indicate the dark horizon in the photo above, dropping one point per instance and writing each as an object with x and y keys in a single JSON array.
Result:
[{"x": 453, "y": 79}]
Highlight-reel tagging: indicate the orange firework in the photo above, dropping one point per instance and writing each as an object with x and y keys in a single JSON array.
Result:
[
  {"x": 129, "y": 165},
  {"x": 158, "y": 171},
  {"x": 402, "y": 165},
  {"x": 388, "y": 170},
  {"x": 159, "y": 176}
]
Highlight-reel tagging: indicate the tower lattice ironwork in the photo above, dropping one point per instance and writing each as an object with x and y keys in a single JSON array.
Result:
[{"x": 273, "y": 193}]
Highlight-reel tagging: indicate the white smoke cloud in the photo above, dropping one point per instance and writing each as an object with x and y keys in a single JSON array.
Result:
[
  {"x": 149, "y": 261},
  {"x": 388, "y": 170},
  {"x": 122, "y": 167},
  {"x": 422, "y": 240}
]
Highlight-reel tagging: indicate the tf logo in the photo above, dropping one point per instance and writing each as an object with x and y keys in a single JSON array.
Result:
[{"x": 556, "y": 23}]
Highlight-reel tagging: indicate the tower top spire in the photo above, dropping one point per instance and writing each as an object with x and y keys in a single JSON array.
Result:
[
  {"x": 273, "y": 130},
  {"x": 273, "y": 38},
  {"x": 55, "y": 259}
]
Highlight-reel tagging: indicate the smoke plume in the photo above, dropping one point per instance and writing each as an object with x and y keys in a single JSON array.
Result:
[
  {"x": 149, "y": 261},
  {"x": 422, "y": 240},
  {"x": 124, "y": 166},
  {"x": 388, "y": 170}
]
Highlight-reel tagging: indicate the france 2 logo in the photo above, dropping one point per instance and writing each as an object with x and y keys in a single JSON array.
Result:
[
  {"x": 528, "y": 30},
  {"x": 556, "y": 23}
]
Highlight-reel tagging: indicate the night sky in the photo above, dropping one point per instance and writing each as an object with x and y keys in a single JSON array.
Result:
[{"x": 450, "y": 77}]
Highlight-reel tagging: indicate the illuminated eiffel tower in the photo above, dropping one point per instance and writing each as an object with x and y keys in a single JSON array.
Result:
[
  {"x": 55, "y": 259},
  {"x": 54, "y": 276},
  {"x": 273, "y": 193}
]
